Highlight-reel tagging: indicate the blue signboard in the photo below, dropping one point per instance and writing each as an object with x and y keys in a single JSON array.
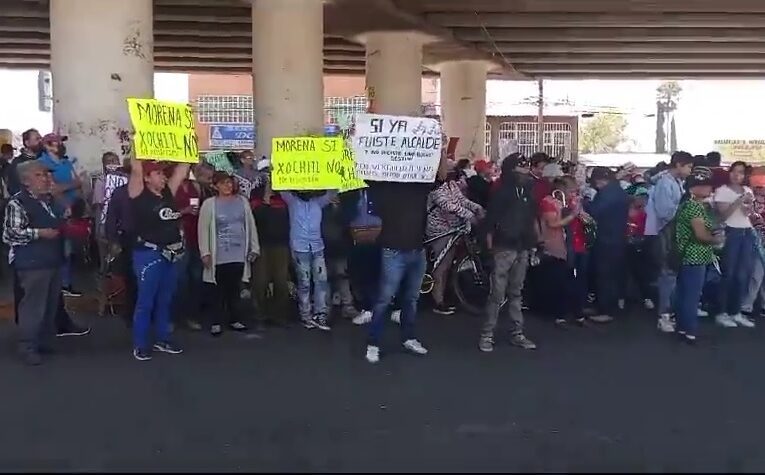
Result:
[{"x": 232, "y": 137}]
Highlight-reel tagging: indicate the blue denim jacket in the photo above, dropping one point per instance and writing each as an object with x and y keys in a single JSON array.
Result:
[{"x": 305, "y": 221}]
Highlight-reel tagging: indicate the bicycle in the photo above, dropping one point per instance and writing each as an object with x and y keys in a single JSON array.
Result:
[{"x": 469, "y": 278}]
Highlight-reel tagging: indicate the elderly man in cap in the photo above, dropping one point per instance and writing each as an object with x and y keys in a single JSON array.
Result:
[{"x": 37, "y": 253}]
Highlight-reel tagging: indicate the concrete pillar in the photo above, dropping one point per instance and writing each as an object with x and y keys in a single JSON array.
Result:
[
  {"x": 288, "y": 68},
  {"x": 394, "y": 71},
  {"x": 463, "y": 105},
  {"x": 102, "y": 52}
]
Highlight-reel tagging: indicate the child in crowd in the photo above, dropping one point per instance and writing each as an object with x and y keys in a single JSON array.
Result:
[
  {"x": 338, "y": 242},
  {"x": 305, "y": 210},
  {"x": 110, "y": 163},
  {"x": 637, "y": 254}
]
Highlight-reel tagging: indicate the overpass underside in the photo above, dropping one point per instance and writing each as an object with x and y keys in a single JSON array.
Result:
[
  {"x": 524, "y": 38},
  {"x": 101, "y": 52}
]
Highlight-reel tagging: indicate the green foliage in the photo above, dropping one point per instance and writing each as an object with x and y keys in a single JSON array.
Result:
[{"x": 603, "y": 133}]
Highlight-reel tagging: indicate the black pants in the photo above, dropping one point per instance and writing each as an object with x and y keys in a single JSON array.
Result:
[
  {"x": 63, "y": 320},
  {"x": 226, "y": 292},
  {"x": 608, "y": 259},
  {"x": 640, "y": 269},
  {"x": 557, "y": 290}
]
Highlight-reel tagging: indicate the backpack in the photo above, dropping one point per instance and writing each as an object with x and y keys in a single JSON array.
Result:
[{"x": 670, "y": 252}]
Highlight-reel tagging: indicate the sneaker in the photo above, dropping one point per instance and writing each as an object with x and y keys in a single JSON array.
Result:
[
  {"x": 582, "y": 322},
  {"x": 363, "y": 318},
  {"x": 665, "y": 324},
  {"x": 320, "y": 321},
  {"x": 141, "y": 355},
  {"x": 724, "y": 320},
  {"x": 238, "y": 326},
  {"x": 395, "y": 316},
  {"x": 561, "y": 322},
  {"x": 648, "y": 304},
  {"x": 31, "y": 357},
  {"x": 167, "y": 347},
  {"x": 70, "y": 292},
  {"x": 742, "y": 321},
  {"x": 194, "y": 325},
  {"x": 453, "y": 308},
  {"x": 373, "y": 354},
  {"x": 216, "y": 330},
  {"x": 702, "y": 313},
  {"x": 73, "y": 330},
  {"x": 415, "y": 347},
  {"x": 690, "y": 339},
  {"x": 522, "y": 342},
  {"x": 486, "y": 344},
  {"x": 621, "y": 304},
  {"x": 602, "y": 318},
  {"x": 443, "y": 309},
  {"x": 307, "y": 323}
]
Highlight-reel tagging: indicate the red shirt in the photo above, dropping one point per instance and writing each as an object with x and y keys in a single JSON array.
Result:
[
  {"x": 578, "y": 237},
  {"x": 183, "y": 196},
  {"x": 636, "y": 222},
  {"x": 542, "y": 188}
]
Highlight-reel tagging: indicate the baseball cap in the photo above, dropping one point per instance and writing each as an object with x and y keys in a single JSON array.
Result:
[
  {"x": 481, "y": 166},
  {"x": 51, "y": 138},
  {"x": 262, "y": 164},
  {"x": 700, "y": 176},
  {"x": 152, "y": 166}
]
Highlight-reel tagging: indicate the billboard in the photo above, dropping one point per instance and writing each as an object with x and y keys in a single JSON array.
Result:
[
  {"x": 232, "y": 137},
  {"x": 750, "y": 151}
]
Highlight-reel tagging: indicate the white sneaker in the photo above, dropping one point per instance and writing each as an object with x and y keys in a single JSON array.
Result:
[
  {"x": 395, "y": 316},
  {"x": 621, "y": 304},
  {"x": 373, "y": 354},
  {"x": 702, "y": 313},
  {"x": 665, "y": 324},
  {"x": 648, "y": 304},
  {"x": 742, "y": 321},
  {"x": 415, "y": 347},
  {"x": 363, "y": 318},
  {"x": 724, "y": 320}
]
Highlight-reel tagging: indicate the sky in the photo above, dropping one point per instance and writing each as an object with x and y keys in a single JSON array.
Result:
[{"x": 708, "y": 110}]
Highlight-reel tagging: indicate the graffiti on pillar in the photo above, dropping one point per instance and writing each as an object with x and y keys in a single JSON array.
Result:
[
  {"x": 133, "y": 45},
  {"x": 372, "y": 103},
  {"x": 126, "y": 144}
]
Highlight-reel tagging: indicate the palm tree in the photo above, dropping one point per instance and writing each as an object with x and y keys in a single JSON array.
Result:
[{"x": 667, "y": 100}]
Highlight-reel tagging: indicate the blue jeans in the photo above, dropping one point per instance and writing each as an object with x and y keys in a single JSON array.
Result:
[
  {"x": 737, "y": 266},
  {"x": 157, "y": 279},
  {"x": 308, "y": 265},
  {"x": 403, "y": 269},
  {"x": 690, "y": 283}
]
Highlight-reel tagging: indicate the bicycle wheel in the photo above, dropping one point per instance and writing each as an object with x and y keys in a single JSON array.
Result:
[{"x": 471, "y": 284}]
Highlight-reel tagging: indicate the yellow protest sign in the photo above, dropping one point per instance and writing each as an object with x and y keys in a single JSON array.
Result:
[
  {"x": 733, "y": 150},
  {"x": 349, "y": 180},
  {"x": 163, "y": 131},
  {"x": 306, "y": 163}
]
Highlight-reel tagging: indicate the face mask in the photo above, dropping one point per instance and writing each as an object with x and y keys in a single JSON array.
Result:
[{"x": 112, "y": 167}]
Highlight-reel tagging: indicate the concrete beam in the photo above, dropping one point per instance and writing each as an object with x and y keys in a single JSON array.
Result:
[
  {"x": 669, "y": 47},
  {"x": 27, "y": 37},
  {"x": 212, "y": 14},
  {"x": 589, "y": 6},
  {"x": 650, "y": 58},
  {"x": 611, "y": 35},
  {"x": 599, "y": 20},
  {"x": 537, "y": 70}
]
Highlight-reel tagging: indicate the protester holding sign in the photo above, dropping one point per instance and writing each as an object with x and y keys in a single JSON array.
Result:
[
  {"x": 402, "y": 209},
  {"x": 158, "y": 247}
]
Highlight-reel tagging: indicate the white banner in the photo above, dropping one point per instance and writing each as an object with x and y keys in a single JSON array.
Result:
[{"x": 396, "y": 148}]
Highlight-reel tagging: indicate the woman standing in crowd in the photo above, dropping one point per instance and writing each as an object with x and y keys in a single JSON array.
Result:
[
  {"x": 695, "y": 250},
  {"x": 562, "y": 269},
  {"x": 734, "y": 203},
  {"x": 158, "y": 248},
  {"x": 637, "y": 255},
  {"x": 228, "y": 243},
  {"x": 756, "y": 291},
  {"x": 448, "y": 208}
]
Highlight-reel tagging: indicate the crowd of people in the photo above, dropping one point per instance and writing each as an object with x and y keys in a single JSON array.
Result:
[{"x": 191, "y": 246}]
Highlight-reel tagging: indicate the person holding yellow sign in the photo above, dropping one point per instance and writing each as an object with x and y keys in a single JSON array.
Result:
[{"x": 158, "y": 248}]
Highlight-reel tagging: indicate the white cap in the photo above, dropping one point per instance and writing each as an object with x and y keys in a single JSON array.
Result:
[{"x": 263, "y": 164}]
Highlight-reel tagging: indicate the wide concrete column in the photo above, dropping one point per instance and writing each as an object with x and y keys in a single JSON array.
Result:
[
  {"x": 288, "y": 67},
  {"x": 102, "y": 52},
  {"x": 463, "y": 105},
  {"x": 394, "y": 71}
]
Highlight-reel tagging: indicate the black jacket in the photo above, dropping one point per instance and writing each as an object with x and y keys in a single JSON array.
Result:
[{"x": 511, "y": 217}]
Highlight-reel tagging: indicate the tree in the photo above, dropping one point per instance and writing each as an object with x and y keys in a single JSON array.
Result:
[
  {"x": 603, "y": 133},
  {"x": 667, "y": 100}
]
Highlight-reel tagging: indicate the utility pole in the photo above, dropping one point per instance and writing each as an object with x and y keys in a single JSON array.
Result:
[{"x": 541, "y": 117}]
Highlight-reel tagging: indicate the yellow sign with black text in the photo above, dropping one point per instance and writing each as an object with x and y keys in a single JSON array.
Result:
[
  {"x": 163, "y": 131},
  {"x": 349, "y": 180},
  {"x": 306, "y": 163}
]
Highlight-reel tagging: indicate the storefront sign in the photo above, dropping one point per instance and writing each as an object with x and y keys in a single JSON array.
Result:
[
  {"x": 232, "y": 137},
  {"x": 749, "y": 151}
]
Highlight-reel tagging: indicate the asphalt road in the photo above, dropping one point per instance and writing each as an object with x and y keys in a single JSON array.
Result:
[{"x": 620, "y": 397}]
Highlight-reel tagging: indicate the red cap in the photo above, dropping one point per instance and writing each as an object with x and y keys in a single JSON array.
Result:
[
  {"x": 481, "y": 166},
  {"x": 152, "y": 166}
]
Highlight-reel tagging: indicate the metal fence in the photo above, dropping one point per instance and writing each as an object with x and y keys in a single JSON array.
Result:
[{"x": 557, "y": 138}]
